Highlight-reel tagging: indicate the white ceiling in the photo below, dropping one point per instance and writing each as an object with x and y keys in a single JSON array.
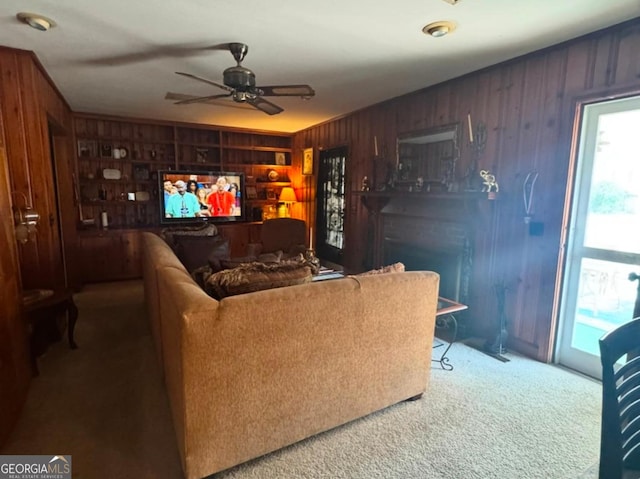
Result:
[{"x": 119, "y": 56}]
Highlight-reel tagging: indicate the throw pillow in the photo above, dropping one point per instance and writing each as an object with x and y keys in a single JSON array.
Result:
[
  {"x": 197, "y": 251},
  {"x": 252, "y": 277},
  {"x": 392, "y": 268}
]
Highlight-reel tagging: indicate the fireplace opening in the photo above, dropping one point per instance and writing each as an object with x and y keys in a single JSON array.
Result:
[{"x": 448, "y": 264}]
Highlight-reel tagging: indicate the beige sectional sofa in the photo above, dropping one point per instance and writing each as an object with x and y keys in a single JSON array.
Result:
[{"x": 255, "y": 372}]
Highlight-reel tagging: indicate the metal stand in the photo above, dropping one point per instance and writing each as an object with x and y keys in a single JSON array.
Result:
[
  {"x": 447, "y": 321},
  {"x": 498, "y": 347}
]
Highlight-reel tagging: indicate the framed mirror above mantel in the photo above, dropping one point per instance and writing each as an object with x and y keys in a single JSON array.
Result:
[{"x": 426, "y": 159}]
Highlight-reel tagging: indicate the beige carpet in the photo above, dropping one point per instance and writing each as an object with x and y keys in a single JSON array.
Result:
[{"x": 105, "y": 404}]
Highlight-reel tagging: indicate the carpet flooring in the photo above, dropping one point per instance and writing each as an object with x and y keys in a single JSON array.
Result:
[{"x": 105, "y": 404}]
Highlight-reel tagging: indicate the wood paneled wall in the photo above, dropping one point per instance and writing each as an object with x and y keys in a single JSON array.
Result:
[
  {"x": 30, "y": 109},
  {"x": 528, "y": 107}
]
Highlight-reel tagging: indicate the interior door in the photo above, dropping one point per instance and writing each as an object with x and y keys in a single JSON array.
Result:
[
  {"x": 331, "y": 203},
  {"x": 603, "y": 247}
]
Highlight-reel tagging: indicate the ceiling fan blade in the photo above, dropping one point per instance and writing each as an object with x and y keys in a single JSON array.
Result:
[
  {"x": 219, "y": 85},
  {"x": 265, "y": 106},
  {"x": 201, "y": 99},
  {"x": 217, "y": 100},
  {"x": 154, "y": 52},
  {"x": 287, "y": 90}
]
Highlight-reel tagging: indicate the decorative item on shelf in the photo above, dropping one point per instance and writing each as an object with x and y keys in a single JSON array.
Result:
[
  {"x": 104, "y": 219},
  {"x": 490, "y": 185},
  {"x": 141, "y": 196},
  {"x": 365, "y": 184},
  {"x": 87, "y": 148},
  {"x": 252, "y": 193},
  {"x": 273, "y": 175},
  {"x": 307, "y": 161},
  {"x": 201, "y": 155},
  {"x": 26, "y": 219},
  {"x": 124, "y": 153},
  {"x": 141, "y": 172},
  {"x": 280, "y": 158},
  {"x": 270, "y": 194},
  {"x": 111, "y": 174},
  {"x": 116, "y": 153},
  {"x": 419, "y": 184},
  {"x": 105, "y": 150},
  {"x": 268, "y": 212},
  {"x": 287, "y": 197}
]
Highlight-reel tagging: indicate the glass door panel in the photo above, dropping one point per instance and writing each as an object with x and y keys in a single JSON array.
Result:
[{"x": 603, "y": 243}]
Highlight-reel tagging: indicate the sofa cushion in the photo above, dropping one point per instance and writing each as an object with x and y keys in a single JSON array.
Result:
[
  {"x": 392, "y": 268},
  {"x": 255, "y": 276},
  {"x": 197, "y": 251}
]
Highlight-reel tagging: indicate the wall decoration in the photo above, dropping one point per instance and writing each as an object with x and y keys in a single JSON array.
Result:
[{"x": 307, "y": 161}]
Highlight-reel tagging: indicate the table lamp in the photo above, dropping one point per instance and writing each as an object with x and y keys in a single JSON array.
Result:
[{"x": 287, "y": 196}]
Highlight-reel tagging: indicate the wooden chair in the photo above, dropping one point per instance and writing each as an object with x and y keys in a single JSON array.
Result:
[{"x": 620, "y": 433}]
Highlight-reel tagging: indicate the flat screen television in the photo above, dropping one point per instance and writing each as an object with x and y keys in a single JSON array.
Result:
[{"x": 200, "y": 196}]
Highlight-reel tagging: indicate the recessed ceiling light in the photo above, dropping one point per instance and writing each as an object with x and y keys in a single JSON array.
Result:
[
  {"x": 439, "y": 29},
  {"x": 36, "y": 21}
]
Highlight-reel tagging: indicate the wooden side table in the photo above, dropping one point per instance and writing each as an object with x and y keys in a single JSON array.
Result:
[
  {"x": 446, "y": 319},
  {"x": 42, "y": 307}
]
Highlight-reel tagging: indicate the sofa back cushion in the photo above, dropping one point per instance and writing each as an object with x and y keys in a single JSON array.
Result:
[{"x": 197, "y": 251}]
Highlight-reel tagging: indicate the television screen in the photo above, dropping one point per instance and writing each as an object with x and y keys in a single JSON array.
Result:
[{"x": 196, "y": 196}]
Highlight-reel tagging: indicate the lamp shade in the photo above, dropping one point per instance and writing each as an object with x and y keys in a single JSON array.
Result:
[{"x": 288, "y": 195}]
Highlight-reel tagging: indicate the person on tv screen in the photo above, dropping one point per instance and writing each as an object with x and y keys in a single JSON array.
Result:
[
  {"x": 221, "y": 202},
  {"x": 192, "y": 186},
  {"x": 168, "y": 191},
  {"x": 182, "y": 205},
  {"x": 201, "y": 194}
]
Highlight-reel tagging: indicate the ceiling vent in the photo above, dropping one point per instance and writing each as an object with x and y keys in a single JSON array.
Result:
[{"x": 451, "y": 2}]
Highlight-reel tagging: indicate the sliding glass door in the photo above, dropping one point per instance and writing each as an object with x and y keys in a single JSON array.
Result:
[{"x": 604, "y": 233}]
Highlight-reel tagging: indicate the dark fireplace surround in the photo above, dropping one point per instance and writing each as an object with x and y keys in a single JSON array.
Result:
[{"x": 427, "y": 232}]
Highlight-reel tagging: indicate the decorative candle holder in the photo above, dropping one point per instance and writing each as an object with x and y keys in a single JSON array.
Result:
[{"x": 312, "y": 260}]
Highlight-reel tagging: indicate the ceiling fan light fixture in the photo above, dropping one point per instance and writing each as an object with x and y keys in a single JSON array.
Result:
[
  {"x": 34, "y": 20},
  {"x": 439, "y": 29}
]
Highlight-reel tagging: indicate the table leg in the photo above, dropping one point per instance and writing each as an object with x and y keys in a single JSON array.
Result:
[{"x": 448, "y": 321}]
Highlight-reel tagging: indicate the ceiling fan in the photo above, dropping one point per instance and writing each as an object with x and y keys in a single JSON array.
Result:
[{"x": 240, "y": 85}]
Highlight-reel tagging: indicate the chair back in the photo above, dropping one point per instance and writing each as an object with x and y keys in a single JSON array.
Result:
[
  {"x": 282, "y": 234},
  {"x": 620, "y": 433}
]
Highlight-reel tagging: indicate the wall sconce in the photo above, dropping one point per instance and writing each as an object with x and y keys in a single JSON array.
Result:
[
  {"x": 26, "y": 219},
  {"x": 287, "y": 196}
]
